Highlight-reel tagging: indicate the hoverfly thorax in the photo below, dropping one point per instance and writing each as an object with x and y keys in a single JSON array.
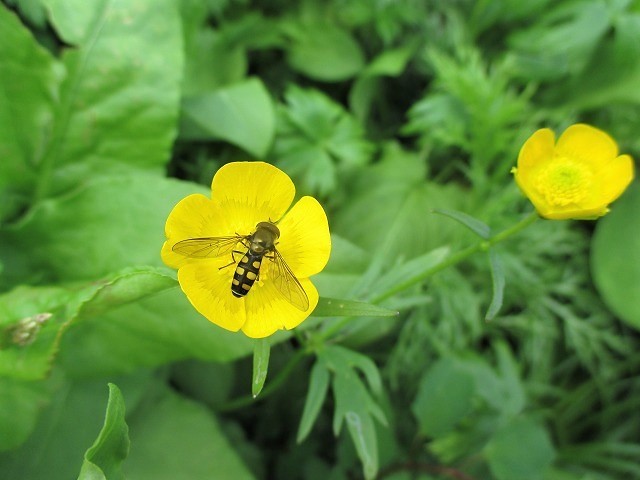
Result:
[{"x": 264, "y": 238}]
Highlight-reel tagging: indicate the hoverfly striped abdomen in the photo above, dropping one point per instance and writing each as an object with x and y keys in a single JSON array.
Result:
[{"x": 246, "y": 274}]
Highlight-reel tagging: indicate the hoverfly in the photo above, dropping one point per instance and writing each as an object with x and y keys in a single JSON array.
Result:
[{"x": 259, "y": 244}]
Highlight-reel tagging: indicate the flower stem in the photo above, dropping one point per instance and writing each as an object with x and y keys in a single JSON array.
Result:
[{"x": 459, "y": 257}]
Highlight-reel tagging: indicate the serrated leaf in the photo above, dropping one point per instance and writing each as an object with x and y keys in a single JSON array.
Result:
[
  {"x": 241, "y": 114},
  {"x": 498, "y": 280},
  {"x": 317, "y": 140},
  {"x": 476, "y": 226},
  {"x": 261, "y": 351},
  {"x": 103, "y": 460},
  {"x": 318, "y": 386},
  {"x": 332, "y": 307}
]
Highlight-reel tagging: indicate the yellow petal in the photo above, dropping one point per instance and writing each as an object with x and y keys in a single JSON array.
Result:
[
  {"x": 587, "y": 144},
  {"x": 252, "y": 192},
  {"x": 209, "y": 291},
  {"x": 574, "y": 214},
  {"x": 194, "y": 216},
  {"x": 613, "y": 179},
  {"x": 170, "y": 258},
  {"x": 305, "y": 242},
  {"x": 267, "y": 311},
  {"x": 538, "y": 148},
  {"x": 536, "y": 151}
]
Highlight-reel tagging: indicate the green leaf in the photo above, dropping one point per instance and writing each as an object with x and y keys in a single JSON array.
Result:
[
  {"x": 211, "y": 58},
  {"x": 150, "y": 332},
  {"x": 71, "y": 420},
  {"x": 241, "y": 114},
  {"x": 514, "y": 393},
  {"x": 121, "y": 288},
  {"x": 120, "y": 98},
  {"x": 354, "y": 404},
  {"x": 179, "y": 439},
  {"x": 20, "y": 403},
  {"x": 367, "y": 87},
  {"x": 323, "y": 51},
  {"x": 498, "y": 279},
  {"x": 317, "y": 140},
  {"x": 64, "y": 307},
  {"x": 337, "y": 357},
  {"x": 116, "y": 233},
  {"x": 318, "y": 386},
  {"x": 409, "y": 272},
  {"x": 103, "y": 460},
  {"x": 331, "y": 307},
  {"x": 30, "y": 360},
  {"x": 479, "y": 228},
  {"x": 615, "y": 264},
  {"x": 520, "y": 450},
  {"x": 31, "y": 10},
  {"x": 402, "y": 199},
  {"x": 614, "y": 70},
  {"x": 28, "y": 93},
  {"x": 560, "y": 42},
  {"x": 261, "y": 351},
  {"x": 445, "y": 397},
  {"x": 390, "y": 62}
]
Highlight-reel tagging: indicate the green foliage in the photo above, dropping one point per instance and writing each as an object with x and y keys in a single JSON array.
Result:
[
  {"x": 616, "y": 244},
  {"x": 241, "y": 114},
  {"x": 261, "y": 351},
  {"x": 521, "y": 449},
  {"x": 318, "y": 141},
  {"x": 400, "y": 117},
  {"x": 323, "y": 51},
  {"x": 103, "y": 460}
]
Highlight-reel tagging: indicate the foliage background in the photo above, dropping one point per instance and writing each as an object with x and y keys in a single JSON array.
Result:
[{"x": 112, "y": 110}]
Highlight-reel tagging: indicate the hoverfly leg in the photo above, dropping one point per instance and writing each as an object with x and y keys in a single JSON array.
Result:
[{"x": 234, "y": 261}]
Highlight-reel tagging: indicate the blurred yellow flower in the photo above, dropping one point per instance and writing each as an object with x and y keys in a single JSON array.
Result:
[
  {"x": 577, "y": 177},
  {"x": 214, "y": 244}
]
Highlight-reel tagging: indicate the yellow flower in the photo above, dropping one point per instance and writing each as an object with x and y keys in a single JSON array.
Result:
[
  {"x": 577, "y": 177},
  {"x": 244, "y": 194}
]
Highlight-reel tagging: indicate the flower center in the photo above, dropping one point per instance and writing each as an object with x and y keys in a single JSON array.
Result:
[{"x": 564, "y": 181}]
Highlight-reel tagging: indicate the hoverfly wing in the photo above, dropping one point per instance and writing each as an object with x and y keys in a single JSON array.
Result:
[
  {"x": 207, "y": 247},
  {"x": 287, "y": 283}
]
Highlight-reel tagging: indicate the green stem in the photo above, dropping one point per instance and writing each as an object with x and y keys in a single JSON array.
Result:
[
  {"x": 453, "y": 260},
  {"x": 270, "y": 387},
  {"x": 459, "y": 257}
]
